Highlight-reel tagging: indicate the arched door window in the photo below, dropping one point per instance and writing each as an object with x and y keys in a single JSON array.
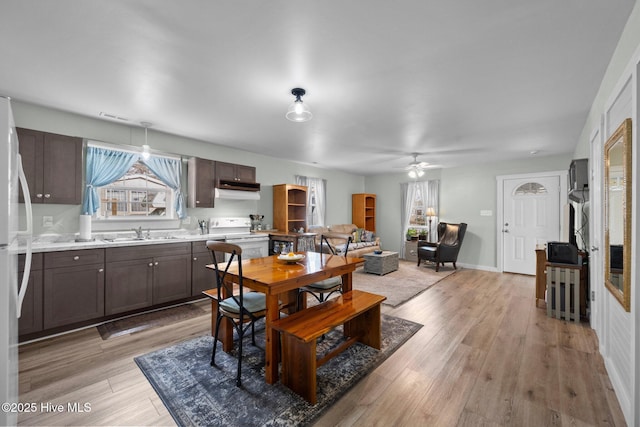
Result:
[{"x": 530, "y": 189}]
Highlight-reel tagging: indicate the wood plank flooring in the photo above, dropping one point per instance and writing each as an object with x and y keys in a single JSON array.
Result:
[{"x": 486, "y": 356}]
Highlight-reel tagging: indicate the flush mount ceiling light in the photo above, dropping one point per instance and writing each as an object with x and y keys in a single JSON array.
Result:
[
  {"x": 298, "y": 111},
  {"x": 146, "y": 153}
]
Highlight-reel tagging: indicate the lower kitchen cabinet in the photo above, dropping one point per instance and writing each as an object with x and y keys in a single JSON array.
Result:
[
  {"x": 31, "y": 316},
  {"x": 142, "y": 276},
  {"x": 202, "y": 278},
  {"x": 73, "y": 287},
  {"x": 171, "y": 278},
  {"x": 129, "y": 285}
]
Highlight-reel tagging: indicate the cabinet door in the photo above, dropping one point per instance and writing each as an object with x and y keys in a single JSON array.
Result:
[
  {"x": 202, "y": 278},
  {"x": 31, "y": 316},
  {"x": 129, "y": 285},
  {"x": 246, "y": 173},
  {"x": 171, "y": 278},
  {"x": 62, "y": 169},
  {"x": 225, "y": 171},
  {"x": 73, "y": 294},
  {"x": 32, "y": 162},
  {"x": 203, "y": 195}
]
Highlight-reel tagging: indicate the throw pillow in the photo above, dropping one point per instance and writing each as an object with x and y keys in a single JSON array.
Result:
[
  {"x": 367, "y": 236},
  {"x": 357, "y": 235}
]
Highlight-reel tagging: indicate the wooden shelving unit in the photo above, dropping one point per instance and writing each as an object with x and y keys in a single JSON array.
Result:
[
  {"x": 289, "y": 207},
  {"x": 363, "y": 211}
]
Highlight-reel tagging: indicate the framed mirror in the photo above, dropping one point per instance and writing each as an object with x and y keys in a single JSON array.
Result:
[{"x": 617, "y": 214}]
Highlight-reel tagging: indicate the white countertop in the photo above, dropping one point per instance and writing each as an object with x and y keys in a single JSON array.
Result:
[{"x": 52, "y": 243}]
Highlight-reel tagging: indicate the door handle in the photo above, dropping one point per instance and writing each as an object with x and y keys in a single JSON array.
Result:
[{"x": 594, "y": 248}]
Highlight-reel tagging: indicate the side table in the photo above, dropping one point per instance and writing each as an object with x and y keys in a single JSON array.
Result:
[{"x": 380, "y": 264}]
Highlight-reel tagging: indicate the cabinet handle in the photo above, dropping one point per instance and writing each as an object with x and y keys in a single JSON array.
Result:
[
  {"x": 46, "y": 196},
  {"x": 75, "y": 258},
  {"x": 197, "y": 202},
  {"x": 195, "y": 258},
  {"x": 39, "y": 195},
  {"x": 150, "y": 264},
  {"x": 156, "y": 263},
  {"x": 100, "y": 270}
]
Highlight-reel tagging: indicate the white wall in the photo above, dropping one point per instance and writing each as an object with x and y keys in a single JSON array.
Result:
[{"x": 618, "y": 331}]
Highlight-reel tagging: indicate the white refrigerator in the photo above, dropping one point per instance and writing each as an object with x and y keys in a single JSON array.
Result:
[{"x": 12, "y": 287}]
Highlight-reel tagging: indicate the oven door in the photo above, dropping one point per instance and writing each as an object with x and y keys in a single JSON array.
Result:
[{"x": 252, "y": 247}]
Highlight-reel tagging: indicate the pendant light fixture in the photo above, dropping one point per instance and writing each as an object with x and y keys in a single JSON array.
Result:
[
  {"x": 145, "y": 148},
  {"x": 298, "y": 111}
]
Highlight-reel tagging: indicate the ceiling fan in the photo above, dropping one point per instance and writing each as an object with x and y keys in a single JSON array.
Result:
[{"x": 416, "y": 168}]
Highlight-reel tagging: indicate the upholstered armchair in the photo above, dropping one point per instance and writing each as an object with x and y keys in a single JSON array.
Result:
[{"x": 446, "y": 248}]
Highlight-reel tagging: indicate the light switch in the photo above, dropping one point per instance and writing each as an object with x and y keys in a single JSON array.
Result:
[
  {"x": 486, "y": 213},
  {"x": 47, "y": 221}
]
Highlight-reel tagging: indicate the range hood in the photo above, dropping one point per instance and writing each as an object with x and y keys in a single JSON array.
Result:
[{"x": 222, "y": 193}]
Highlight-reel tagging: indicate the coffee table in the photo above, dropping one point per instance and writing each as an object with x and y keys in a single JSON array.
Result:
[{"x": 380, "y": 264}]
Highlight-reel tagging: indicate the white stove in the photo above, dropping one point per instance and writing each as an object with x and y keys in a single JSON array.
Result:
[{"x": 238, "y": 231}]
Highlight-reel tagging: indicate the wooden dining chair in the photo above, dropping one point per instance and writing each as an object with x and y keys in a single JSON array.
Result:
[
  {"x": 323, "y": 289},
  {"x": 242, "y": 308}
]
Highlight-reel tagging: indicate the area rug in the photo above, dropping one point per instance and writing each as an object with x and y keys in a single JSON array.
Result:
[
  {"x": 403, "y": 284},
  {"x": 197, "y": 394},
  {"x": 154, "y": 319}
]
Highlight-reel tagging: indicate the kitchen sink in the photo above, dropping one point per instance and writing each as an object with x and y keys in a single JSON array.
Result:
[{"x": 138, "y": 239}]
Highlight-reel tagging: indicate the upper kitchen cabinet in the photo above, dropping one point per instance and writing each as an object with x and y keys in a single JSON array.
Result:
[
  {"x": 52, "y": 165},
  {"x": 201, "y": 183},
  {"x": 233, "y": 172},
  {"x": 235, "y": 177}
]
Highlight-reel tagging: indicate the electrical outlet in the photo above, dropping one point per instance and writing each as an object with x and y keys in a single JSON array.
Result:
[
  {"x": 593, "y": 295},
  {"x": 47, "y": 221},
  {"x": 486, "y": 213}
]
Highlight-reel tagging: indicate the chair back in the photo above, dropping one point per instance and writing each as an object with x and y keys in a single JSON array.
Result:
[
  {"x": 344, "y": 236},
  {"x": 221, "y": 269},
  {"x": 451, "y": 234}
]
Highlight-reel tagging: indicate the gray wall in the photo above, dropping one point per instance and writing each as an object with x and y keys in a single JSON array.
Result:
[
  {"x": 269, "y": 170},
  {"x": 464, "y": 192}
]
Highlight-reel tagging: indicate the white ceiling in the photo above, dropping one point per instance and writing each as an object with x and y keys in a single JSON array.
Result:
[{"x": 458, "y": 81}]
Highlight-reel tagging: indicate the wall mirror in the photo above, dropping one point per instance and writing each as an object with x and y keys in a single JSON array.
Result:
[{"x": 617, "y": 232}]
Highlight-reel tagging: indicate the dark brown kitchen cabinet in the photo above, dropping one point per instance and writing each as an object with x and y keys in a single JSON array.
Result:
[
  {"x": 202, "y": 278},
  {"x": 142, "y": 276},
  {"x": 201, "y": 183},
  {"x": 31, "y": 317},
  {"x": 128, "y": 286},
  {"x": 53, "y": 166},
  {"x": 234, "y": 173},
  {"x": 73, "y": 287}
]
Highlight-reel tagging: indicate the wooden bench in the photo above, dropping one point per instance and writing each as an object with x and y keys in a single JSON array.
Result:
[{"x": 358, "y": 311}]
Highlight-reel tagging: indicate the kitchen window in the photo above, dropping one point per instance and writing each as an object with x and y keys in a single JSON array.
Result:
[
  {"x": 137, "y": 194},
  {"x": 123, "y": 185}
]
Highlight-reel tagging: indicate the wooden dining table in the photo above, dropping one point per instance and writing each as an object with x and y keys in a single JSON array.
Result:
[{"x": 279, "y": 281}]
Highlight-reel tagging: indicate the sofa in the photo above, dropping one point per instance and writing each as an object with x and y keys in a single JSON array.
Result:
[{"x": 363, "y": 242}]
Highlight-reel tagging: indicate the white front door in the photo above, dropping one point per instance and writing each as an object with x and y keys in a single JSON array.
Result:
[{"x": 531, "y": 217}]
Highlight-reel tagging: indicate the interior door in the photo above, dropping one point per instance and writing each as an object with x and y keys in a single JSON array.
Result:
[{"x": 531, "y": 217}]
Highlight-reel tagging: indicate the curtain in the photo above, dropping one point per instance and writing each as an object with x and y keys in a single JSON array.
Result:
[
  {"x": 169, "y": 171},
  {"x": 316, "y": 199},
  {"x": 103, "y": 166},
  {"x": 407, "y": 194},
  {"x": 432, "y": 199},
  {"x": 430, "y": 195}
]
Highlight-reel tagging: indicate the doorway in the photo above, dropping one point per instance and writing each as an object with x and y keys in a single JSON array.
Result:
[{"x": 529, "y": 214}]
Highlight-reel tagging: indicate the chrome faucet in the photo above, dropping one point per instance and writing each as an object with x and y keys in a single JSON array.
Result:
[{"x": 138, "y": 232}]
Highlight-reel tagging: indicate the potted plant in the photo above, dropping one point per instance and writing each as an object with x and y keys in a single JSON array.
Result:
[
  {"x": 412, "y": 234},
  {"x": 422, "y": 235}
]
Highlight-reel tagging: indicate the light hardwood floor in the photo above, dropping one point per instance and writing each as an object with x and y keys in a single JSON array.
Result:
[{"x": 485, "y": 356}]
